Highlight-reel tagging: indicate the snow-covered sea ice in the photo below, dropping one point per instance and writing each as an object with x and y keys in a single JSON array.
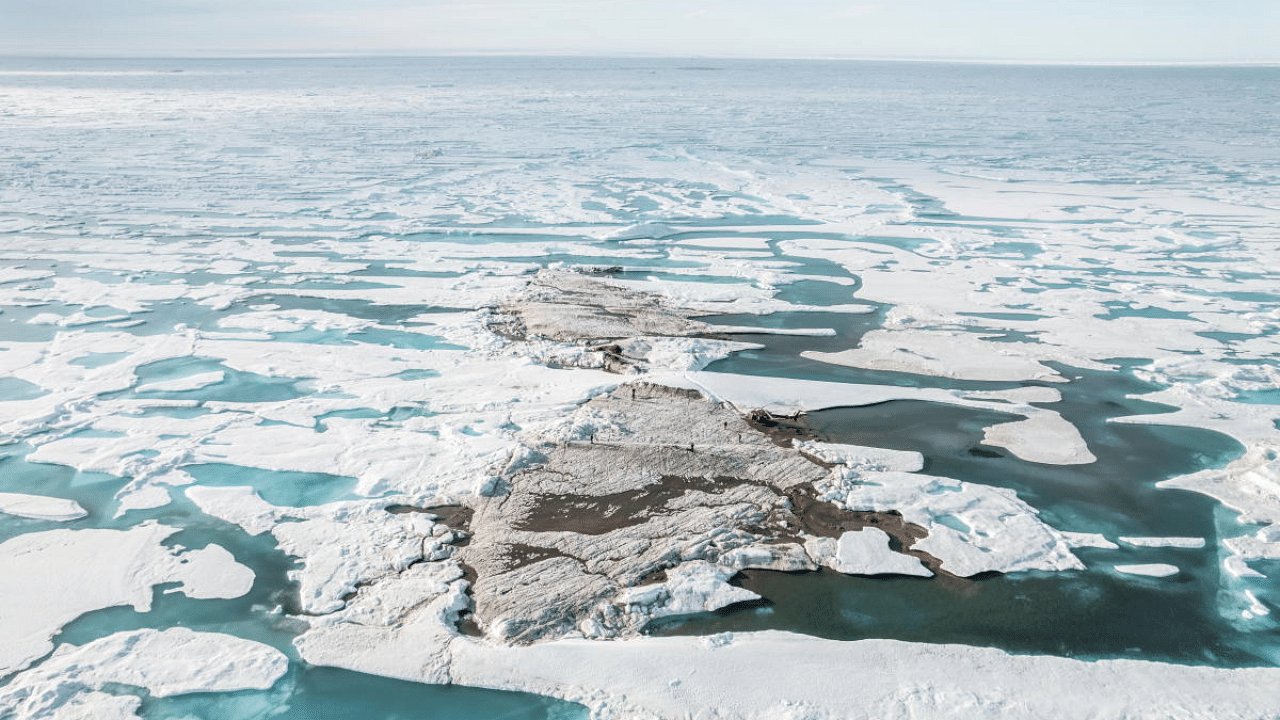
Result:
[{"x": 415, "y": 386}]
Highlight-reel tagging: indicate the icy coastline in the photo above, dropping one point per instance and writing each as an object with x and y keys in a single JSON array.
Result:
[
  {"x": 553, "y": 581},
  {"x": 488, "y": 407}
]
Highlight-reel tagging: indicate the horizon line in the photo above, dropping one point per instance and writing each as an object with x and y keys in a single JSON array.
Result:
[{"x": 215, "y": 54}]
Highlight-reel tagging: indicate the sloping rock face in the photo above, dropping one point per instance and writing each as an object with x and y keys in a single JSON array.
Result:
[
  {"x": 572, "y": 307},
  {"x": 607, "y": 327},
  {"x": 645, "y": 501},
  {"x": 656, "y": 478}
]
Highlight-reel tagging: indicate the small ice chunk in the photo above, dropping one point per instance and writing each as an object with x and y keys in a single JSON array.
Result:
[
  {"x": 1043, "y": 437},
  {"x": 1256, "y": 608},
  {"x": 1262, "y": 545},
  {"x": 693, "y": 587},
  {"x": 41, "y": 507},
  {"x": 212, "y": 572},
  {"x": 1237, "y": 567},
  {"x": 1174, "y": 542},
  {"x": 783, "y": 557},
  {"x": 147, "y": 497},
  {"x": 1150, "y": 570}
]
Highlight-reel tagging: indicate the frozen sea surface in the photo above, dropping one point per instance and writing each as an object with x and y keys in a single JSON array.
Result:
[{"x": 276, "y": 274}]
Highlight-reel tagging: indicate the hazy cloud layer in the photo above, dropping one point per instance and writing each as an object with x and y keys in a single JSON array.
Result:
[{"x": 1223, "y": 30}]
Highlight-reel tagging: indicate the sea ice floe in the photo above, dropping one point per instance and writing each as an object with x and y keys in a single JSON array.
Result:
[
  {"x": 1085, "y": 539},
  {"x": 190, "y": 382},
  {"x": 399, "y": 629},
  {"x": 952, "y": 354},
  {"x": 971, "y": 528},
  {"x": 75, "y": 319},
  {"x": 41, "y": 507},
  {"x": 11, "y": 274},
  {"x": 1262, "y": 545},
  {"x": 1044, "y": 437},
  {"x": 59, "y": 585},
  {"x": 1157, "y": 570},
  {"x": 861, "y": 457},
  {"x": 1256, "y": 608},
  {"x": 127, "y": 297},
  {"x": 1041, "y": 436},
  {"x": 864, "y": 552},
  {"x": 727, "y": 299},
  {"x": 767, "y": 675},
  {"x": 293, "y": 320},
  {"x": 692, "y": 587},
  {"x": 470, "y": 292},
  {"x": 73, "y": 682},
  {"x": 729, "y": 243},
  {"x": 1249, "y": 484},
  {"x": 1174, "y": 542},
  {"x": 74, "y": 391}
]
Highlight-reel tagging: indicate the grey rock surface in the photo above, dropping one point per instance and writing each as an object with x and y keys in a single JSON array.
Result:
[{"x": 666, "y": 477}]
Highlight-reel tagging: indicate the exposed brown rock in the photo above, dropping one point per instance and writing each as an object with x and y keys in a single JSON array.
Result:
[{"x": 665, "y": 477}]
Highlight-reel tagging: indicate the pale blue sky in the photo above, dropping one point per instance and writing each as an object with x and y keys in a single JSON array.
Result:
[{"x": 1052, "y": 30}]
